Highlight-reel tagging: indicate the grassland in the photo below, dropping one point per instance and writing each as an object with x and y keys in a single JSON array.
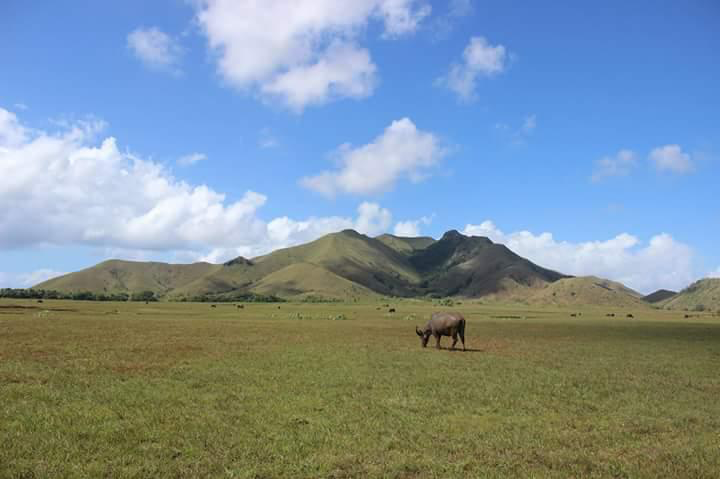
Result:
[{"x": 92, "y": 389}]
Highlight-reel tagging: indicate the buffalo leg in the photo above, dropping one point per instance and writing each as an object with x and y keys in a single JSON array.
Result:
[
  {"x": 462, "y": 338},
  {"x": 437, "y": 341},
  {"x": 454, "y": 341}
]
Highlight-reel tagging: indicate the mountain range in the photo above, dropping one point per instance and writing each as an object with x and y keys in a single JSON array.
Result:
[{"x": 348, "y": 265}]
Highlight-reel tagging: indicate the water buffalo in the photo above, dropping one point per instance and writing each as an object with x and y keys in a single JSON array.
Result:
[{"x": 443, "y": 324}]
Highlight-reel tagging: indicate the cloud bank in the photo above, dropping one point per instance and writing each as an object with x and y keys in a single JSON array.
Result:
[
  {"x": 662, "y": 262},
  {"x": 71, "y": 188}
]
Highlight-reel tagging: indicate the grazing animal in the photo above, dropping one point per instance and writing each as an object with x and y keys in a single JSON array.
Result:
[
  {"x": 240, "y": 306},
  {"x": 630, "y": 316},
  {"x": 443, "y": 324},
  {"x": 391, "y": 310},
  {"x": 573, "y": 315},
  {"x": 213, "y": 306}
]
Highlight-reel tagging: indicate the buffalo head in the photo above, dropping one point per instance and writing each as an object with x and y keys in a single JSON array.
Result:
[{"x": 424, "y": 336}]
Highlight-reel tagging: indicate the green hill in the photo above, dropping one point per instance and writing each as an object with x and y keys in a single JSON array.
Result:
[
  {"x": 587, "y": 290},
  {"x": 117, "y": 276},
  {"x": 405, "y": 245},
  {"x": 475, "y": 266},
  {"x": 702, "y": 295},
  {"x": 305, "y": 280},
  {"x": 659, "y": 296},
  {"x": 349, "y": 265}
]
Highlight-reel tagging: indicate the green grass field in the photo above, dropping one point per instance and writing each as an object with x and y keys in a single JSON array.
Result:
[{"x": 91, "y": 389}]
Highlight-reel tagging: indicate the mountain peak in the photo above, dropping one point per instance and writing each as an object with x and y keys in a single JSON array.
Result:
[
  {"x": 349, "y": 232},
  {"x": 238, "y": 261},
  {"x": 453, "y": 234}
]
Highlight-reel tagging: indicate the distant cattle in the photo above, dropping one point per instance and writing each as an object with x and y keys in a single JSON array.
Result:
[
  {"x": 213, "y": 306},
  {"x": 610, "y": 315},
  {"x": 443, "y": 324},
  {"x": 630, "y": 316},
  {"x": 573, "y": 315},
  {"x": 39, "y": 300},
  {"x": 391, "y": 310},
  {"x": 241, "y": 306}
]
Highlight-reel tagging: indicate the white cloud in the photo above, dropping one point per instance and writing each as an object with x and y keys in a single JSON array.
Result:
[
  {"x": 25, "y": 280},
  {"x": 401, "y": 151},
  {"x": 411, "y": 228},
  {"x": 671, "y": 158},
  {"x": 282, "y": 232},
  {"x": 191, "y": 159},
  {"x": 714, "y": 274},
  {"x": 479, "y": 58},
  {"x": 619, "y": 165},
  {"x": 302, "y": 52},
  {"x": 12, "y": 133},
  {"x": 662, "y": 262},
  {"x": 457, "y": 9},
  {"x": 20, "y": 106},
  {"x": 67, "y": 188},
  {"x": 155, "y": 48}
]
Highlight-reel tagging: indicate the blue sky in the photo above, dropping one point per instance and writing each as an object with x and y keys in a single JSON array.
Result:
[{"x": 584, "y": 136}]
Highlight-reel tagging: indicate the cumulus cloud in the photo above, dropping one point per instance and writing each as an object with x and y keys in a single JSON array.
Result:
[
  {"x": 191, "y": 159},
  {"x": 12, "y": 133},
  {"x": 155, "y": 48},
  {"x": 402, "y": 151},
  {"x": 662, "y": 262},
  {"x": 621, "y": 164},
  {"x": 671, "y": 158},
  {"x": 411, "y": 228},
  {"x": 281, "y": 232},
  {"x": 302, "y": 52},
  {"x": 480, "y": 58},
  {"x": 25, "y": 280},
  {"x": 70, "y": 188}
]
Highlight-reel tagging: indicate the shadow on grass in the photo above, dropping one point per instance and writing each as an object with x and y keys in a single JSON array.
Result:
[{"x": 457, "y": 350}]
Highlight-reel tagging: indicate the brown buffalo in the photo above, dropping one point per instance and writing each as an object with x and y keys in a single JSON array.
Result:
[{"x": 443, "y": 324}]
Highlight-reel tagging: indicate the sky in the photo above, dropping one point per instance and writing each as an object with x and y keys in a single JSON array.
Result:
[{"x": 584, "y": 135}]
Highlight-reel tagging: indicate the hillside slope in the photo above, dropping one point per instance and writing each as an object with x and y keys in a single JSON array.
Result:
[
  {"x": 117, "y": 276},
  {"x": 474, "y": 266},
  {"x": 405, "y": 245},
  {"x": 659, "y": 296},
  {"x": 702, "y": 295},
  {"x": 314, "y": 268},
  {"x": 588, "y": 290}
]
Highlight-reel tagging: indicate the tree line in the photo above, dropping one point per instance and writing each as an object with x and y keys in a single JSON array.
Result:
[{"x": 29, "y": 293}]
